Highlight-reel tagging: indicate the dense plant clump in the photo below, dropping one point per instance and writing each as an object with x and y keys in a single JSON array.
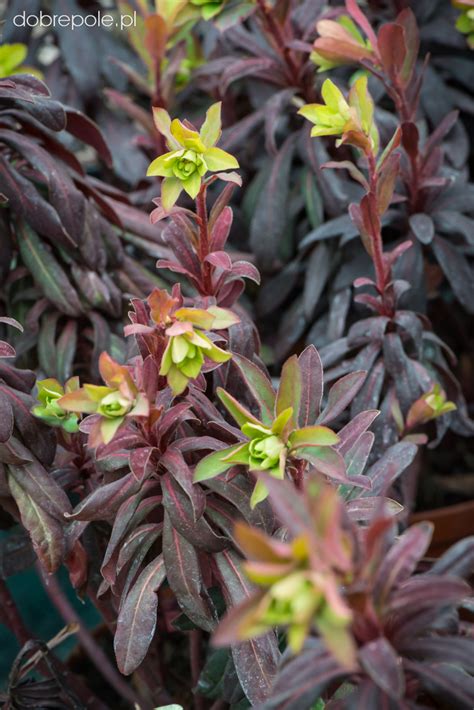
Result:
[{"x": 222, "y": 447}]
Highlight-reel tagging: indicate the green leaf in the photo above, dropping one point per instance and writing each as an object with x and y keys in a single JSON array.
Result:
[
  {"x": 212, "y": 465},
  {"x": 312, "y": 436},
  {"x": 289, "y": 391},
  {"x": 260, "y": 387},
  {"x": 211, "y": 128}
]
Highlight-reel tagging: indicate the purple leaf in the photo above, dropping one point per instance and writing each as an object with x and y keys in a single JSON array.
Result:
[
  {"x": 255, "y": 660},
  {"x": 341, "y": 395},
  {"x": 184, "y": 576},
  {"x": 311, "y": 386},
  {"x": 136, "y": 622},
  {"x": 402, "y": 559},
  {"x": 381, "y": 662}
]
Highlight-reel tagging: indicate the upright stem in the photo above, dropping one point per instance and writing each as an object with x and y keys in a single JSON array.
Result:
[
  {"x": 204, "y": 247},
  {"x": 377, "y": 243},
  {"x": 95, "y": 653},
  {"x": 280, "y": 41}
]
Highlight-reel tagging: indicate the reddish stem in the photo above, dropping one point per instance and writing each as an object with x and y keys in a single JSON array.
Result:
[
  {"x": 95, "y": 653},
  {"x": 204, "y": 247},
  {"x": 279, "y": 39},
  {"x": 376, "y": 235}
]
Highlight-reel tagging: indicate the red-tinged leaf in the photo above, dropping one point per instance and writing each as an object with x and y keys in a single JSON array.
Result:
[
  {"x": 140, "y": 462},
  {"x": 40, "y": 502},
  {"x": 246, "y": 270},
  {"x": 288, "y": 505},
  {"x": 390, "y": 465},
  {"x": 270, "y": 216},
  {"x": 184, "y": 576},
  {"x": 457, "y": 270},
  {"x": 6, "y": 350},
  {"x": 357, "y": 456},
  {"x": 392, "y": 49},
  {"x": 402, "y": 559},
  {"x": 255, "y": 660},
  {"x": 259, "y": 385},
  {"x": 136, "y": 622},
  {"x": 221, "y": 229},
  {"x": 199, "y": 533},
  {"x": 426, "y": 592},
  {"x": 122, "y": 520},
  {"x": 220, "y": 259},
  {"x": 6, "y": 416},
  {"x": 458, "y": 560},
  {"x": 103, "y": 502},
  {"x": 341, "y": 395},
  {"x": 327, "y": 461},
  {"x": 357, "y": 217},
  {"x": 46, "y": 271},
  {"x": 87, "y": 131},
  {"x": 64, "y": 196},
  {"x": 365, "y": 509},
  {"x": 235, "y": 409},
  {"x": 412, "y": 43},
  {"x": 434, "y": 649},
  {"x": 303, "y": 679},
  {"x": 446, "y": 682},
  {"x": 386, "y": 182},
  {"x": 174, "y": 462},
  {"x": 339, "y": 50},
  {"x": 410, "y": 138},
  {"x": 290, "y": 389},
  {"x": 242, "y": 68},
  {"x": 133, "y": 552},
  {"x": 350, "y": 433},
  {"x": 356, "y": 13},
  {"x": 311, "y": 386},
  {"x": 273, "y": 108},
  {"x": 381, "y": 662},
  {"x": 28, "y": 202},
  {"x": 440, "y": 132}
]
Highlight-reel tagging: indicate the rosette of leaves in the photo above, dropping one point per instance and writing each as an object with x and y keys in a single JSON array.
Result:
[
  {"x": 298, "y": 582},
  {"x": 190, "y": 156},
  {"x": 410, "y": 645},
  {"x": 285, "y": 433},
  {"x": 62, "y": 241}
]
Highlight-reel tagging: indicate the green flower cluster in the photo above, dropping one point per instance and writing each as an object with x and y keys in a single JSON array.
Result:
[{"x": 49, "y": 409}]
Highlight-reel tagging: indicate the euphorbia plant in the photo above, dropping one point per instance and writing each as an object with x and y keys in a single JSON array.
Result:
[{"x": 380, "y": 630}]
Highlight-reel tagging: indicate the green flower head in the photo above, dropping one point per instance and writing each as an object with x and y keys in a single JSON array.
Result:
[
  {"x": 111, "y": 404},
  {"x": 266, "y": 447},
  {"x": 209, "y": 8},
  {"x": 429, "y": 406},
  {"x": 188, "y": 346},
  {"x": 352, "y": 119},
  {"x": 192, "y": 154},
  {"x": 49, "y": 410}
]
